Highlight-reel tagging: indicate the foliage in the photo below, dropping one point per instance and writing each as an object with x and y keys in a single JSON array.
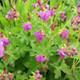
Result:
[{"x": 23, "y": 47}]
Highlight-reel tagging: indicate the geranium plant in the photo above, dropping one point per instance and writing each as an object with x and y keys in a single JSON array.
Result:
[{"x": 40, "y": 40}]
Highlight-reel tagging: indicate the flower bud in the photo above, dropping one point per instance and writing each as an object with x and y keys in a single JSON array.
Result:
[
  {"x": 45, "y": 68},
  {"x": 78, "y": 5},
  {"x": 73, "y": 75},
  {"x": 46, "y": 59},
  {"x": 24, "y": 1},
  {"x": 36, "y": 72}
]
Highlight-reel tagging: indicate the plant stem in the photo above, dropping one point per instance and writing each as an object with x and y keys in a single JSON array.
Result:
[
  {"x": 68, "y": 20},
  {"x": 21, "y": 18},
  {"x": 25, "y": 7}
]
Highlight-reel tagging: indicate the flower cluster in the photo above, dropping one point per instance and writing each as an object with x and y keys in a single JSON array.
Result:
[
  {"x": 74, "y": 24},
  {"x": 8, "y": 76},
  {"x": 11, "y": 15},
  {"x": 62, "y": 16},
  {"x": 40, "y": 58},
  {"x": 37, "y": 75},
  {"x": 61, "y": 53},
  {"x": 65, "y": 51},
  {"x": 64, "y": 33},
  {"x": 45, "y": 15},
  {"x": 78, "y": 17},
  {"x": 76, "y": 20},
  {"x": 27, "y": 26},
  {"x": 3, "y": 43},
  {"x": 39, "y": 35}
]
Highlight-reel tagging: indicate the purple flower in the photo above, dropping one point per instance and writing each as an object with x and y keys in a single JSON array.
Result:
[
  {"x": 51, "y": 12},
  {"x": 61, "y": 53},
  {"x": 46, "y": 6},
  {"x": 1, "y": 43},
  {"x": 78, "y": 17},
  {"x": 38, "y": 36},
  {"x": 1, "y": 51},
  {"x": 27, "y": 26},
  {"x": 78, "y": 2},
  {"x": 65, "y": 34},
  {"x": 76, "y": 53},
  {"x": 73, "y": 75},
  {"x": 62, "y": 13},
  {"x": 11, "y": 63},
  {"x": 5, "y": 41},
  {"x": 7, "y": 17},
  {"x": 39, "y": 75},
  {"x": 62, "y": 16},
  {"x": 11, "y": 17},
  {"x": 78, "y": 10},
  {"x": 40, "y": 58},
  {"x": 4, "y": 71},
  {"x": 76, "y": 23},
  {"x": 45, "y": 15},
  {"x": 74, "y": 17},
  {"x": 10, "y": 13},
  {"x": 1, "y": 48},
  {"x": 34, "y": 5}
]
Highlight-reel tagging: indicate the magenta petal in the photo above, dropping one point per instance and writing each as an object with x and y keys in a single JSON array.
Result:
[
  {"x": 45, "y": 15},
  {"x": 27, "y": 26},
  {"x": 5, "y": 41},
  {"x": 38, "y": 36},
  {"x": 1, "y": 43},
  {"x": 39, "y": 75},
  {"x": 61, "y": 53},
  {"x": 10, "y": 13},
  {"x": 76, "y": 23},
  {"x": 65, "y": 34},
  {"x": 73, "y": 17},
  {"x": 76, "y": 53},
  {"x": 73, "y": 75},
  {"x": 79, "y": 10},
  {"x": 34, "y": 5},
  {"x": 39, "y": 58},
  {"x": 1, "y": 51},
  {"x": 51, "y": 12}
]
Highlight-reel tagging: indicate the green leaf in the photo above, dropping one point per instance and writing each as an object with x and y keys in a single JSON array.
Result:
[{"x": 57, "y": 73}]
